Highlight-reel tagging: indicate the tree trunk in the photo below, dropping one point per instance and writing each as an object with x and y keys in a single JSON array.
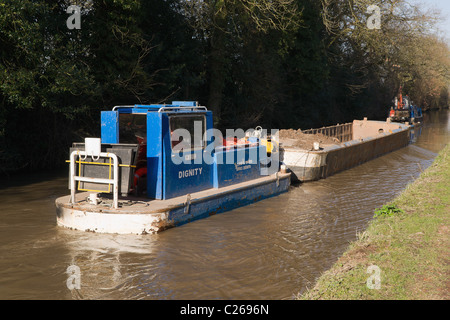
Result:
[{"x": 217, "y": 73}]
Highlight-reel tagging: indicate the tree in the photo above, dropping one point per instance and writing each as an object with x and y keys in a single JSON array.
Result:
[
  {"x": 224, "y": 24},
  {"x": 44, "y": 81},
  {"x": 54, "y": 81},
  {"x": 376, "y": 62}
]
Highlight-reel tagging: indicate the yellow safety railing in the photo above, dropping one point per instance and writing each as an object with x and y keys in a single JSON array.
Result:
[
  {"x": 114, "y": 180},
  {"x": 109, "y": 164}
]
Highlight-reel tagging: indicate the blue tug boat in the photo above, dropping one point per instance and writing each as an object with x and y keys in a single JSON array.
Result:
[{"x": 161, "y": 166}]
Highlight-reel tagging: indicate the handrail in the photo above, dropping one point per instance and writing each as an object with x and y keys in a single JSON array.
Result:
[
  {"x": 114, "y": 181},
  {"x": 186, "y": 107},
  {"x": 343, "y": 132},
  {"x": 166, "y": 107},
  {"x": 103, "y": 164},
  {"x": 117, "y": 107}
]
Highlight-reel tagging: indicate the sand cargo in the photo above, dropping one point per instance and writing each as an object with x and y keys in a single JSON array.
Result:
[{"x": 319, "y": 153}]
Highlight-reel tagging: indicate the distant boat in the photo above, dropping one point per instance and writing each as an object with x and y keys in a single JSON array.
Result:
[{"x": 404, "y": 110}]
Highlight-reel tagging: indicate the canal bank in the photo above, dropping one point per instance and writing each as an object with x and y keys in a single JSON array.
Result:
[{"x": 403, "y": 254}]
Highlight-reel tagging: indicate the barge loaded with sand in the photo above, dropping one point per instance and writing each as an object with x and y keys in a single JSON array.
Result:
[
  {"x": 161, "y": 166},
  {"x": 319, "y": 153}
]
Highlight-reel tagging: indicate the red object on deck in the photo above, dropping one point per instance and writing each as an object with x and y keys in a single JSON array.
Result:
[{"x": 139, "y": 174}]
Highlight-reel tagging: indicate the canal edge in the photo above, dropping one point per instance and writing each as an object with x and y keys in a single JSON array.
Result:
[{"x": 403, "y": 256}]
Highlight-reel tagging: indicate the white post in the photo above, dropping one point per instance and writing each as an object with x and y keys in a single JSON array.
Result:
[
  {"x": 72, "y": 177},
  {"x": 116, "y": 178}
]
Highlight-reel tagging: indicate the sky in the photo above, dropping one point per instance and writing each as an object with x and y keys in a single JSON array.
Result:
[{"x": 444, "y": 7}]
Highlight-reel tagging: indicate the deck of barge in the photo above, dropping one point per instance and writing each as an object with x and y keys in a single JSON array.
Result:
[{"x": 141, "y": 215}]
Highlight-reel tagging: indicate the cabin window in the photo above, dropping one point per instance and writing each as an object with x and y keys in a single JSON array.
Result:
[
  {"x": 132, "y": 128},
  {"x": 187, "y": 132}
]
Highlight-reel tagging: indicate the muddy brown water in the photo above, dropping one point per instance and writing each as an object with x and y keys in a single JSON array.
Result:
[{"x": 272, "y": 249}]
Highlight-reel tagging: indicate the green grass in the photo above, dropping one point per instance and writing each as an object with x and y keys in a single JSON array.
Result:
[{"x": 408, "y": 240}]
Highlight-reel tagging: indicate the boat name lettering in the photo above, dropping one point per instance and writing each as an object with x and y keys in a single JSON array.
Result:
[
  {"x": 239, "y": 168},
  {"x": 189, "y": 173},
  {"x": 243, "y": 165},
  {"x": 250, "y": 161}
]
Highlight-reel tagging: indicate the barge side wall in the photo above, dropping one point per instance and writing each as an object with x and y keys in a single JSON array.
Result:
[
  {"x": 368, "y": 144},
  {"x": 355, "y": 153}
]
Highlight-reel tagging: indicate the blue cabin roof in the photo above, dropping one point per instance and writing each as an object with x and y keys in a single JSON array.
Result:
[{"x": 176, "y": 106}]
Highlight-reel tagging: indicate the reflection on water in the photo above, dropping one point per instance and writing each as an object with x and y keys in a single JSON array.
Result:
[{"x": 268, "y": 250}]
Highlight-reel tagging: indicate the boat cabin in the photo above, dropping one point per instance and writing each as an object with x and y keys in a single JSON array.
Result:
[{"x": 179, "y": 152}]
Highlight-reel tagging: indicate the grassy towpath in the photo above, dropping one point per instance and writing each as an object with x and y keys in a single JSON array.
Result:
[{"x": 404, "y": 253}]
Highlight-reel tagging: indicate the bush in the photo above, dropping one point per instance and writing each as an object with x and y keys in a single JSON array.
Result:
[{"x": 387, "y": 210}]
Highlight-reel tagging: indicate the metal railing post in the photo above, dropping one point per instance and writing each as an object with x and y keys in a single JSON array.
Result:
[
  {"x": 72, "y": 177},
  {"x": 116, "y": 178}
]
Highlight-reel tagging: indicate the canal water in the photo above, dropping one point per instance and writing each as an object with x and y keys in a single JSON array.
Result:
[{"x": 272, "y": 249}]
